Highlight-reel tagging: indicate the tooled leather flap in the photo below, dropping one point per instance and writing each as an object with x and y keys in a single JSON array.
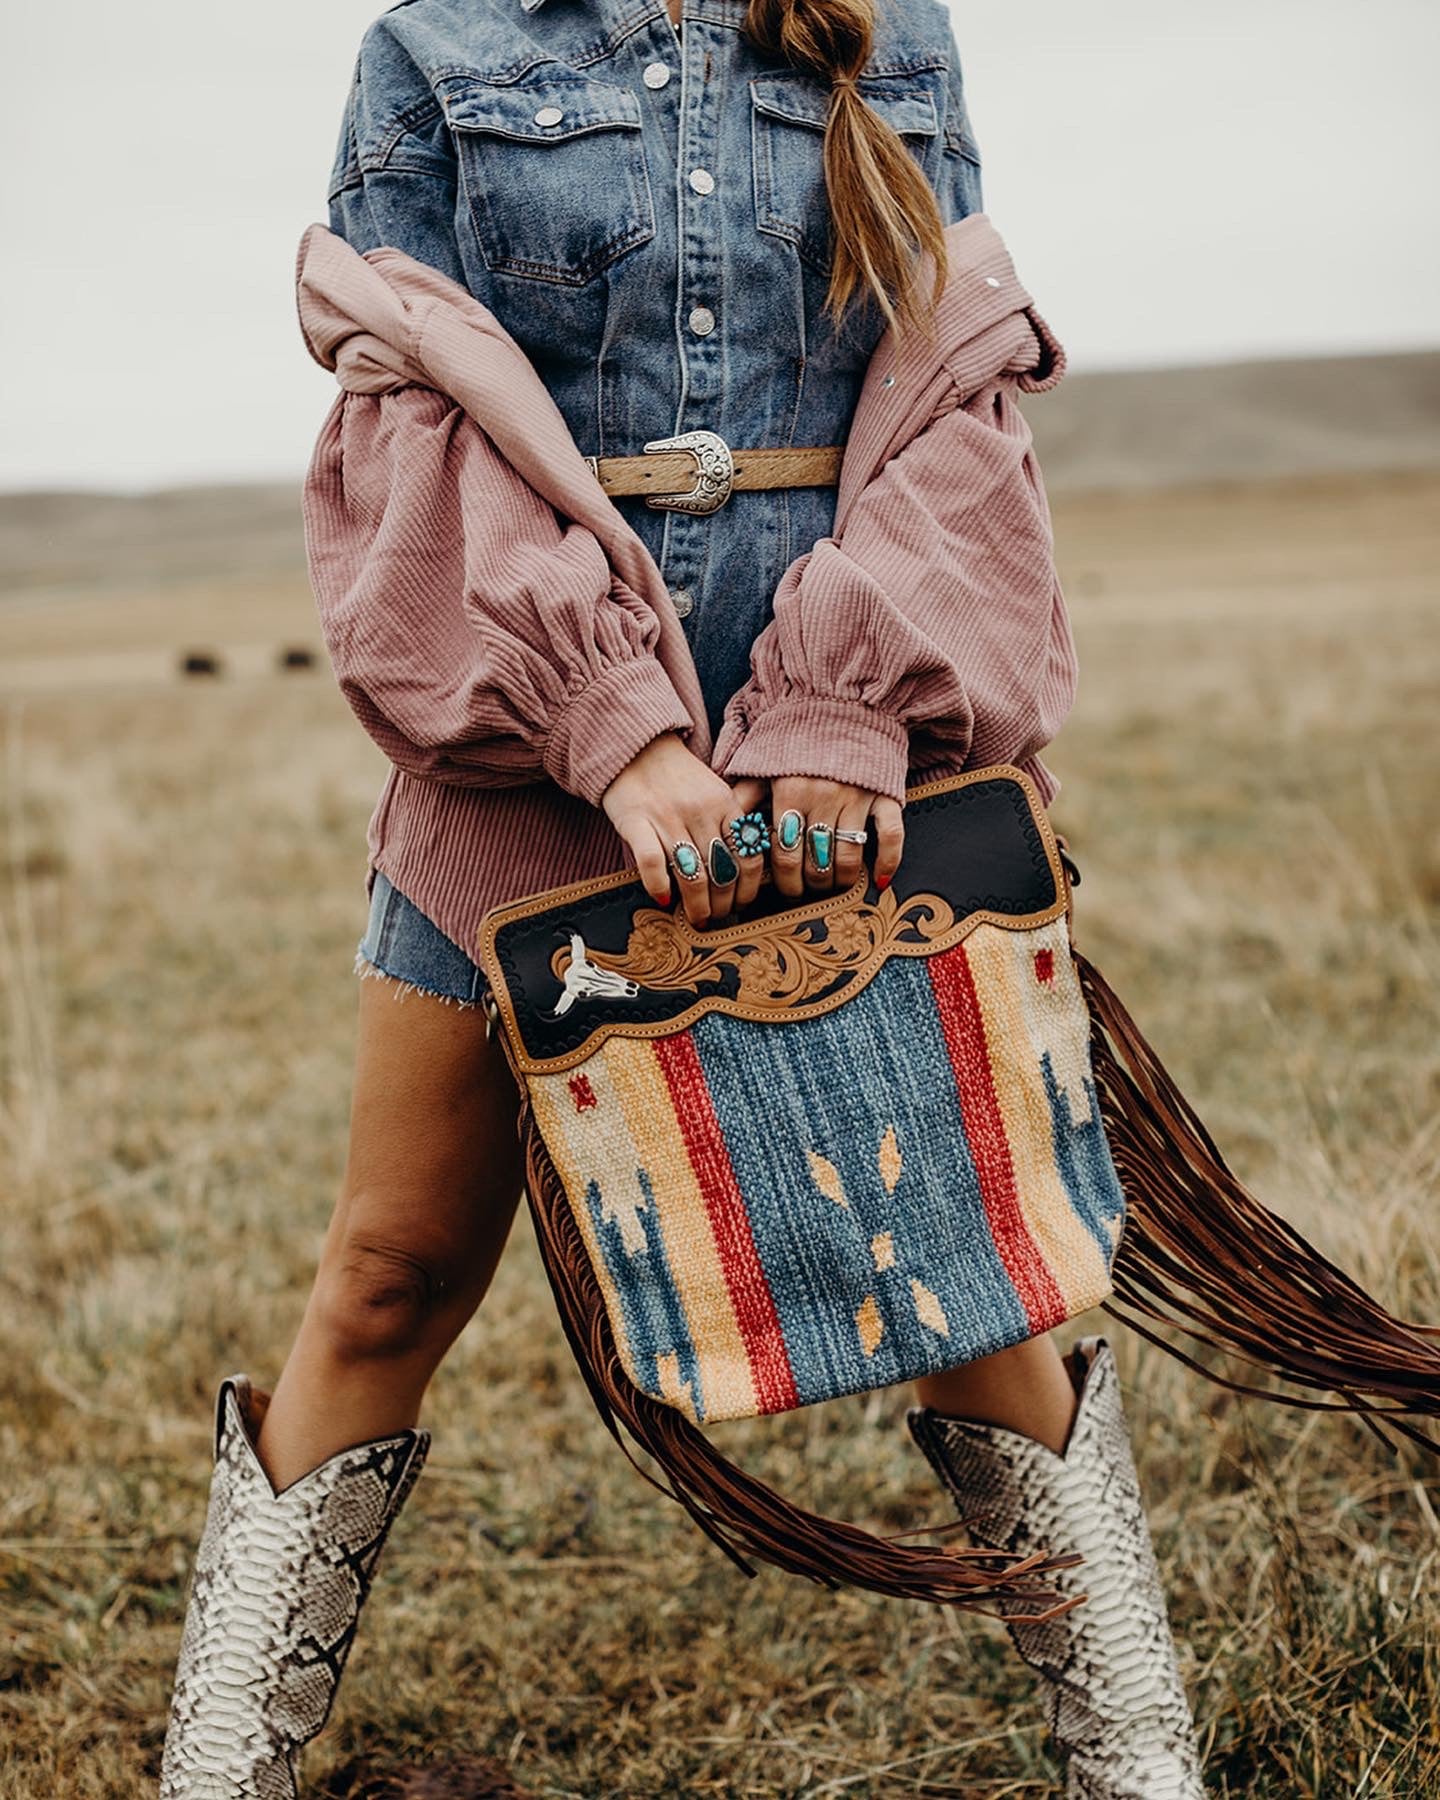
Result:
[{"x": 573, "y": 966}]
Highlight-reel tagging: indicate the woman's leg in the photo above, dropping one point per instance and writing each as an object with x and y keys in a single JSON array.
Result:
[
  {"x": 304, "y": 1491},
  {"x": 429, "y": 1193},
  {"x": 1027, "y": 1388}
]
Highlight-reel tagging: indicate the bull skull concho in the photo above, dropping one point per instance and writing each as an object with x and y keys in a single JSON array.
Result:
[{"x": 586, "y": 980}]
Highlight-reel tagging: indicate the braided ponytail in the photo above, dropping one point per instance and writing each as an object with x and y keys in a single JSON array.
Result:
[{"x": 882, "y": 209}]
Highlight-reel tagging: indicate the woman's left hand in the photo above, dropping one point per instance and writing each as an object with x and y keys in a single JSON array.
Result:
[{"x": 837, "y": 805}]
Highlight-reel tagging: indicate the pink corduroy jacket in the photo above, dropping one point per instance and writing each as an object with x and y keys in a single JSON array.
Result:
[{"x": 507, "y": 639}]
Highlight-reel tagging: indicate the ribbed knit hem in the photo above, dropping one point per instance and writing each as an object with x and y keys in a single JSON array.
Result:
[
  {"x": 609, "y": 723},
  {"x": 821, "y": 736}
]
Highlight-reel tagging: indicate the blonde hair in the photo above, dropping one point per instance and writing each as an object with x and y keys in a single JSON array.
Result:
[{"x": 882, "y": 209}]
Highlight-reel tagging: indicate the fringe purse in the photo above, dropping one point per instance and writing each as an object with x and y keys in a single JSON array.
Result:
[{"x": 849, "y": 1141}]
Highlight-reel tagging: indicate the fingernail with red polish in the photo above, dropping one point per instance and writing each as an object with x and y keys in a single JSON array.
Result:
[
  {"x": 664, "y": 899},
  {"x": 882, "y": 881}
]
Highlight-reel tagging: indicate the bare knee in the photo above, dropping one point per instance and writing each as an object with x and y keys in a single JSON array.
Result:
[{"x": 379, "y": 1297}]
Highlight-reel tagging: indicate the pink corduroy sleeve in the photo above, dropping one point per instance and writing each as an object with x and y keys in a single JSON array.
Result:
[
  {"x": 481, "y": 639},
  {"x": 931, "y": 634}
]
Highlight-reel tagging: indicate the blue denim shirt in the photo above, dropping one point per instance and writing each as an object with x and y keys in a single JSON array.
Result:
[{"x": 645, "y": 213}]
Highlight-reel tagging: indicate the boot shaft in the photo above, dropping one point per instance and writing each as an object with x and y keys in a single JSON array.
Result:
[
  {"x": 275, "y": 1598},
  {"x": 1118, "y": 1709}
]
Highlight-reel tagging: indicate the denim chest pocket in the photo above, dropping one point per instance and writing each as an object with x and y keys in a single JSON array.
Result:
[
  {"x": 787, "y": 127},
  {"x": 553, "y": 173}
]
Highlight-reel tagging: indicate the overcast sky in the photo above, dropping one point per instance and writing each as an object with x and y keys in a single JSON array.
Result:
[{"x": 1178, "y": 184}]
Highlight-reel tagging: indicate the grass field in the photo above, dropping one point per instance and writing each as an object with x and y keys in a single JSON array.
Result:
[{"x": 1250, "y": 782}]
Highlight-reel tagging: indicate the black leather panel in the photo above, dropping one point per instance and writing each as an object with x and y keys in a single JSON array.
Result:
[{"x": 977, "y": 846}]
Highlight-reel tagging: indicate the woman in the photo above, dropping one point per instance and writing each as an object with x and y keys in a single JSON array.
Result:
[{"x": 698, "y": 222}]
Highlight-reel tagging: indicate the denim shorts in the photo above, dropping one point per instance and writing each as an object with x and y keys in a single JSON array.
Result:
[{"x": 405, "y": 946}]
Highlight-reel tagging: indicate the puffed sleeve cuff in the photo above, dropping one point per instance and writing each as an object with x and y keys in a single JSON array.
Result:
[
  {"x": 609, "y": 722},
  {"x": 822, "y": 736}
]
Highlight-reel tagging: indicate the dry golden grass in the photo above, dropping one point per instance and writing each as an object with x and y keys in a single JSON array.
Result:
[{"x": 1249, "y": 786}]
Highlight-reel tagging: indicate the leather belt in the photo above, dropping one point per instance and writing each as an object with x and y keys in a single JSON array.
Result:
[{"x": 697, "y": 471}]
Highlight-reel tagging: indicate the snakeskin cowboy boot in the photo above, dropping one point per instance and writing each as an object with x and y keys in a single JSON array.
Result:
[
  {"x": 274, "y": 1601},
  {"x": 1118, "y": 1709}
]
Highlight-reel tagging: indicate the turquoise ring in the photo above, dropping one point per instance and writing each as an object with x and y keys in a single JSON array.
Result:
[
  {"x": 790, "y": 829},
  {"x": 749, "y": 834},
  {"x": 686, "y": 858},
  {"x": 822, "y": 843}
]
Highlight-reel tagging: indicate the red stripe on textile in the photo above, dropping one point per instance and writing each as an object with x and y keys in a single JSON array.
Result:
[
  {"x": 958, "y": 1005},
  {"x": 750, "y": 1295}
]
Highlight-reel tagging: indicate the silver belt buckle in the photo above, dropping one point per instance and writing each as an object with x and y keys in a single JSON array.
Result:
[{"x": 714, "y": 472}]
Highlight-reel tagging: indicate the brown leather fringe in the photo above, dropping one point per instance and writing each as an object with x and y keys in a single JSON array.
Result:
[
  {"x": 1202, "y": 1255},
  {"x": 741, "y": 1514}
]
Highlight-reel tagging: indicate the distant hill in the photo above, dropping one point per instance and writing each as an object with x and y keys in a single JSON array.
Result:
[
  {"x": 1147, "y": 428},
  {"x": 80, "y": 539},
  {"x": 1241, "y": 421}
]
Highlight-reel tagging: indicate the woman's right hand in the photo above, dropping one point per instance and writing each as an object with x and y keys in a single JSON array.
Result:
[{"x": 666, "y": 796}]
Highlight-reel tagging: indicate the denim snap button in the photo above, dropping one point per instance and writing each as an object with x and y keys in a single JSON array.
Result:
[
  {"x": 549, "y": 115},
  {"x": 656, "y": 74}
]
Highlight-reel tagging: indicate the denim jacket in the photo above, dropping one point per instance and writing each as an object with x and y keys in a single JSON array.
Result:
[{"x": 645, "y": 212}]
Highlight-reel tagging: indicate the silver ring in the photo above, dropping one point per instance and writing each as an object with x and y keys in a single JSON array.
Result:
[
  {"x": 689, "y": 864},
  {"x": 723, "y": 867},
  {"x": 748, "y": 834},
  {"x": 821, "y": 839},
  {"x": 852, "y": 837}
]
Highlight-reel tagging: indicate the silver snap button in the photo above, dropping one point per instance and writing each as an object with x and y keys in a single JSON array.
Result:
[
  {"x": 684, "y": 601},
  {"x": 702, "y": 321},
  {"x": 702, "y": 181},
  {"x": 549, "y": 115},
  {"x": 990, "y": 281},
  {"x": 656, "y": 74}
]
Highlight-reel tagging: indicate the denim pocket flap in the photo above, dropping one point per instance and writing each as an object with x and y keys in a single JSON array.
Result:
[{"x": 540, "y": 112}]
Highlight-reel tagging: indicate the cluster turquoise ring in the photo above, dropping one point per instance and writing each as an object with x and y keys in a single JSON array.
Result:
[{"x": 750, "y": 834}]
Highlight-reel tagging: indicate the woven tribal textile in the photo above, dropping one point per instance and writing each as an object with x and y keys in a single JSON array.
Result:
[
  {"x": 874, "y": 1152},
  {"x": 785, "y": 1213}
]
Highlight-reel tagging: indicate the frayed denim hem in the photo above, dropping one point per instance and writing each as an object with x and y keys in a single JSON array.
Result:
[{"x": 366, "y": 969}]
